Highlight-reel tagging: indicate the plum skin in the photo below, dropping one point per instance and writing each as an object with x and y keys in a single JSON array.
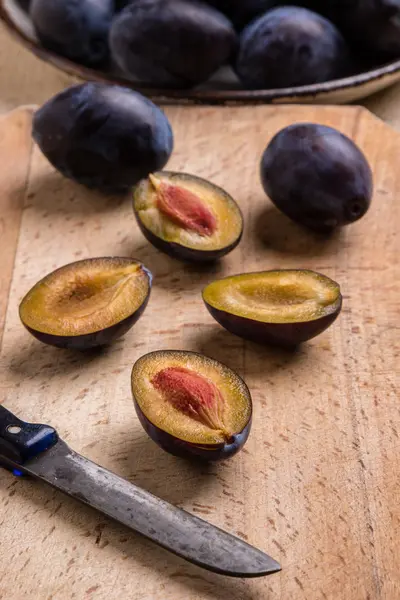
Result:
[
  {"x": 171, "y": 43},
  {"x": 24, "y": 4},
  {"x": 241, "y": 12},
  {"x": 76, "y": 29},
  {"x": 103, "y": 136},
  {"x": 373, "y": 24},
  {"x": 290, "y": 46},
  {"x": 183, "y": 253},
  {"x": 183, "y": 449},
  {"x": 287, "y": 335},
  {"x": 121, "y": 4},
  {"x": 317, "y": 176}
]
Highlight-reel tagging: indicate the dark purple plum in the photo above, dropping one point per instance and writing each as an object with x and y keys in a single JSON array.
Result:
[
  {"x": 283, "y": 308},
  {"x": 191, "y": 405},
  {"x": 172, "y": 43},
  {"x": 370, "y": 26},
  {"x": 120, "y": 4},
  {"x": 375, "y": 24},
  {"x": 241, "y": 12},
  {"x": 25, "y": 4},
  {"x": 88, "y": 303},
  {"x": 76, "y": 29},
  {"x": 317, "y": 176},
  {"x": 327, "y": 8},
  {"x": 103, "y": 136},
  {"x": 187, "y": 217},
  {"x": 290, "y": 46}
]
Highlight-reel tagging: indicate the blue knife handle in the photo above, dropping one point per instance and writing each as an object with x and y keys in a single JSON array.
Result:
[{"x": 20, "y": 441}]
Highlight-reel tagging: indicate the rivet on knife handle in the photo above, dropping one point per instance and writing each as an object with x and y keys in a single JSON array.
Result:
[{"x": 20, "y": 441}]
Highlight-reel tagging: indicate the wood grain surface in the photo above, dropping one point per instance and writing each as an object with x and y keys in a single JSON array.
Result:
[
  {"x": 15, "y": 152},
  {"x": 317, "y": 485}
]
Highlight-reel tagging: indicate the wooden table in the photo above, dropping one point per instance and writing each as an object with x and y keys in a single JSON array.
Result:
[{"x": 317, "y": 485}]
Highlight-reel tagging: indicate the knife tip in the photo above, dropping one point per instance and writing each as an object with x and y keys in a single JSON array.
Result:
[
  {"x": 272, "y": 567},
  {"x": 269, "y": 567},
  {"x": 260, "y": 568}
]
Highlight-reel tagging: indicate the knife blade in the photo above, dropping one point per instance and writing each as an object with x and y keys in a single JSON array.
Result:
[{"x": 37, "y": 450}]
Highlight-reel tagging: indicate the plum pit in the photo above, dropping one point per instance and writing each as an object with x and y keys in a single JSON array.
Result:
[
  {"x": 193, "y": 395},
  {"x": 184, "y": 207}
]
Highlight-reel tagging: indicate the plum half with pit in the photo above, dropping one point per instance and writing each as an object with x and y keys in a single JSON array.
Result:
[
  {"x": 317, "y": 176},
  {"x": 284, "y": 307},
  {"x": 76, "y": 29},
  {"x": 88, "y": 303},
  {"x": 290, "y": 46},
  {"x": 191, "y": 405},
  {"x": 187, "y": 217},
  {"x": 172, "y": 43},
  {"x": 103, "y": 136}
]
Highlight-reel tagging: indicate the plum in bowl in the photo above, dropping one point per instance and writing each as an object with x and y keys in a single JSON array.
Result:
[{"x": 380, "y": 69}]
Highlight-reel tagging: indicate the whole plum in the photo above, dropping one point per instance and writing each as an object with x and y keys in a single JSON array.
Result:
[
  {"x": 103, "y": 136},
  {"x": 176, "y": 43},
  {"x": 290, "y": 46},
  {"x": 373, "y": 23},
  {"x": 76, "y": 29},
  {"x": 241, "y": 12},
  {"x": 317, "y": 176},
  {"x": 369, "y": 25}
]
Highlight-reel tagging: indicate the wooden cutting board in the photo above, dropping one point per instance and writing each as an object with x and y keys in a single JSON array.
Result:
[{"x": 317, "y": 485}]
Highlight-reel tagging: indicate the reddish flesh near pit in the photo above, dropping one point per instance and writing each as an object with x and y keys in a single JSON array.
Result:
[
  {"x": 192, "y": 395},
  {"x": 185, "y": 209}
]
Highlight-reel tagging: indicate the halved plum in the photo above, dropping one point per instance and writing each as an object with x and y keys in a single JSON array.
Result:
[
  {"x": 187, "y": 217},
  {"x": 88, "y": 303},
  {"x": 191, "y": 405},
  {"x": 285, "y": 307}
]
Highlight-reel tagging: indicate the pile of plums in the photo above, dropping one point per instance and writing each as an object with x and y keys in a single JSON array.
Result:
[{"x": 182, "y": 43}]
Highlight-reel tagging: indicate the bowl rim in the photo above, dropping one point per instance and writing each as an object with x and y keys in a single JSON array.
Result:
[{"x": 194, "y": 96}]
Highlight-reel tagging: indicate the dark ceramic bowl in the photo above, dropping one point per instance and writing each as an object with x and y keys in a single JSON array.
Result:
[{"x": 222, "y": 89}]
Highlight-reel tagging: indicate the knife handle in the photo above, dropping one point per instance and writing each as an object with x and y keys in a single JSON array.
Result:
[{"x": 20, "y": 441}]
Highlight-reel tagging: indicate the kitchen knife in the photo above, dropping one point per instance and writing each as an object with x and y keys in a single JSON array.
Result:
[{"x": 36, "y": 450}]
